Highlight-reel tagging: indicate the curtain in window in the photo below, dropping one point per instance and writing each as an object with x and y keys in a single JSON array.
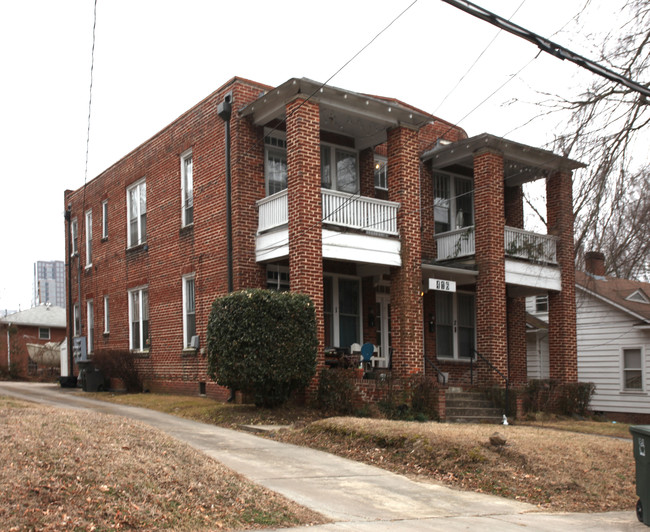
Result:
[{"x": 346, "y": 172}]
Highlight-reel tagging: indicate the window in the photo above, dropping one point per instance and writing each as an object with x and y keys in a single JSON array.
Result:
[
  {"x": 381, "y": 173},
  {"x": 105, "y": 219},
  {"x": 76, "y": 331},
  {"x": 43, "y": 333},
  {"x": 189, "y": 310},
  {"x": 74, "y": 231},
  {"x": 139, "y": 319},
  {"x": 90, "y": 315},
  {"x": 339, "y": 169},
  {"x": 342, "y": 311},
  {"x": 187, "y": 189},
  {"x": 89, "y": 238},
  {"x": 106, "y": 316},
  {"x": 136, "y": 201},
  {"x": 453, "y": 202},
  {"x": 277, "y": 278},
  {"x": 455, "y": 325},
  {"x": 541, "y": 304},
  {"x": 275, "y": 164},
  {"x": 633, "y": 369}
]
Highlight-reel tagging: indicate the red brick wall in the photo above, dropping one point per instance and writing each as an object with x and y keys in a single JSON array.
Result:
[
  {"x": 517, "y": 362},
  {"x": 491, "y": 285},
  {"x": 406, "y": 282},
  {"x": 562, "y": 343}
]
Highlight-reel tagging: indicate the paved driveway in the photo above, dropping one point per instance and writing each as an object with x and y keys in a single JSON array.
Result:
[{"x": 356, "y": 496}]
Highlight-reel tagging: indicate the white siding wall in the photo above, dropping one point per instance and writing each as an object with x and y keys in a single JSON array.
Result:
[
  {"x": 537, "y": 355},
  {"x": 603, "y": 331}
]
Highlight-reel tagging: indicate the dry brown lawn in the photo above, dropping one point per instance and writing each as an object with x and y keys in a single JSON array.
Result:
[
  {"x": 556, "y": 470},
  {"x": 62, "y": 469}
]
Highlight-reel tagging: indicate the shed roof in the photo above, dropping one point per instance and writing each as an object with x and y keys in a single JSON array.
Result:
[{"x": 41, "y": 316}]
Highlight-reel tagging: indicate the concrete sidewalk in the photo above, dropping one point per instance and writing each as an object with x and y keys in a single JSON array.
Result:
[{"x": 354, "y": 495}]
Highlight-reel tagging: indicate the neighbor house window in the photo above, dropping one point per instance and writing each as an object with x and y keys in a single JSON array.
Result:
[
  {"x": 453, "y": 202},
  {"x": 381, "y": 173},
  {"x": 633, "y": 369},
  {"x": 541, "y": 304},
  {"x": 90, "y": 308},
  {"x": 89, "y": 238},
  {"x": 106, "y": 316},
  {"x": 105, "y": 219},
  {"x": 43, "y": 333},
  {"x": 455, "y": 325},
  {"x": 139, "y": 319},
  {"x": 339, "y": 169},
  {"x": 275, "y": 164},
  {"x": 187, "y": 188},
  {"x": 74, "y": 232},
  {"x": 136, "y": 201},
  {"x": 342, "y": 311},
  {"x": 77, "y": 320},
  {"x": 189, "y": 310}
]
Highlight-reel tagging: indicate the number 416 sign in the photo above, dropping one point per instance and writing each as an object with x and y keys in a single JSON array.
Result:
[{"x": 442, "y": 285}]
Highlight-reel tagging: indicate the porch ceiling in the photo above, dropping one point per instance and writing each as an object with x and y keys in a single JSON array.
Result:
[
  {"x": 522, "y": 163},
  {"x": 364, "y": 118}
]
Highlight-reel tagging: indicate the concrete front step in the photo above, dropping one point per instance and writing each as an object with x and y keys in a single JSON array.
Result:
[{"x": 471, "y": 407}]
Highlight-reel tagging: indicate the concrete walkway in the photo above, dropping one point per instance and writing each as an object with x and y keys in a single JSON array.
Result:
[{"x": 354, "y": 495}]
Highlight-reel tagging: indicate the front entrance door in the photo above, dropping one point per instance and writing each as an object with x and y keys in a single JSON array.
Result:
[{"x": 384, "y": 340}]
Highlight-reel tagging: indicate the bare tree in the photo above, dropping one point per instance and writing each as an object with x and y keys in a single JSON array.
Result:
[{"x": 606, "y": 130}]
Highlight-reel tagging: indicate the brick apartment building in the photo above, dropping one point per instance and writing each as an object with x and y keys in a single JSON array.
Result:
[{"x": 361, "y": 202}]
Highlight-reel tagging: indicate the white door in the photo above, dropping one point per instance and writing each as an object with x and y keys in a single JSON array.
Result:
[{"x": 383, "y": 341}]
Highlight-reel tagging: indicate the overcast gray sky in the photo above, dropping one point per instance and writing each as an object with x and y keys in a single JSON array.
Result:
[{"x": 154, "y": 59}]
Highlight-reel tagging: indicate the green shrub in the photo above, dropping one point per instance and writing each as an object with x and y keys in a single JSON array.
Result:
[
  {"x": 262, "y": 342},
  {"x": 336, "y": 391},
  {"x": 119, "y": 364}
]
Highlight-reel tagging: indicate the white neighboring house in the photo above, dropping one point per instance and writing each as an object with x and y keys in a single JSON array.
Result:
[{"x": 613, "y": 333}]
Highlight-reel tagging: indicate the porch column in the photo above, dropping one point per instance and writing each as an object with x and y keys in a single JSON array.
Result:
[
  {"x": 406, "y": 282},
  {"x": 562, "y": 342},
  {"x": 491, "y": 312},
  {"x": 517, "y": 360},
  {"x": 305, "y": 211}
]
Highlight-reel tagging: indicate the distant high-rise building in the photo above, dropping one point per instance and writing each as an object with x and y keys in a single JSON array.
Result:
[{"x": 49, "y": 283}]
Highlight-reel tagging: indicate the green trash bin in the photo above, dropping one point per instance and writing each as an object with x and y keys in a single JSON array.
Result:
[{"x": 641, "y": 438}]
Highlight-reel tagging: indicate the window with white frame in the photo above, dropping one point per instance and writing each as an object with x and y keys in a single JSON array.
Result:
[
  {"x": 275, "y": 163},
  {"x": 105, "y": 219},
  {"x": 187, "y": 188},
  {"x": 633, "y": 362},
  {"x": 74, "y": 232},
  {"x": 189, "y": 310},
  {"x": 90, "y": 318},
  {"x": 342, "y": 310},
  {"x": 381, "y": 172},
  {"x": 43, "y": 333},
  {"x": 277, "y": 278},
  {"x": 139, "y": 319},
  {"x": 89, "y": 238},
  {"x": 453, "y": 202},
  {"x": 107, "y": 328},
  {"x": 455, "y": 325},
  {"x": 541, "y": 304},
  {"x": 339, "y": 170},
  {"x": 136, "y": 202},
  {"x": 76, "y": 330}
]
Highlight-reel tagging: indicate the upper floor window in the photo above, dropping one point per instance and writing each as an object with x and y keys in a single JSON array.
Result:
[
  {"x": 275, "y": 164},
  {"x": 453, "y": 202},
  {"x": 187, "y": 188},
  {"x": 381, "y": 173},
  {"x": 105, "y": 219},
  {"x": 89, "y": 238},
  {"x": 338, "y": 169},
  {"x": 74, "y": 232},
  {"x": 139, "y": 319},
  {"x": 136, "y": 202}
]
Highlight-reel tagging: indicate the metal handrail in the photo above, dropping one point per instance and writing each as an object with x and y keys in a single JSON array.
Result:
[
  {"x": 438, "y": 372},
  {"x": 471, "y": 374}
]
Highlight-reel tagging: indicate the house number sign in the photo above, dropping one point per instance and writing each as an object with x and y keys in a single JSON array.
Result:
[{"x": 442, "y": 285}]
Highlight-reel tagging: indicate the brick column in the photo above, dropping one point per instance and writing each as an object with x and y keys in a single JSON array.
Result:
[
  {"x": 305, "y": 211},
  {"x": 491, "y": 312},
  {"x": 562, "y": 343},
  {"x": 406, "y": 282},
  {"x": 367, "y": 172},
  {"x": 517, "y": 361}
]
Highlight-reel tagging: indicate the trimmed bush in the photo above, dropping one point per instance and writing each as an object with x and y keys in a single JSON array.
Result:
[
  {"x": 263, "y": 343},
  {"x": 119, "y": 364},
  {"x": 554, "y": 397}
]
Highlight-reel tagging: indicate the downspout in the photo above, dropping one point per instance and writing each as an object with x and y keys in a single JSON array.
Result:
[
  {"x": 68, "y": 218},
  {"x": 224, "y": 110},
  {"x": 8, "y": 348}
]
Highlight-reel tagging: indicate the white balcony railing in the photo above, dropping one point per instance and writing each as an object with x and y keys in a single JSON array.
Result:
[
  {"x": 517, "y": 243},
  {"x": 357, "y": 212}
]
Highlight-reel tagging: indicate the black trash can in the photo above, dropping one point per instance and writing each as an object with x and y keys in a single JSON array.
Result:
[{"x": 641, "y": 437}]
